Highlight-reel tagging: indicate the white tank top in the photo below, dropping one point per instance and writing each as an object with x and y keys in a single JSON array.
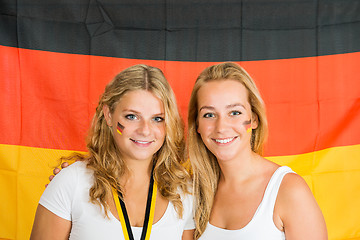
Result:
[{"x": 262, "y": 224}]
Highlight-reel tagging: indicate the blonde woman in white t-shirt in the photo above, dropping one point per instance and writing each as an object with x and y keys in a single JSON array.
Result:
[{"x": 132, "y": 183}]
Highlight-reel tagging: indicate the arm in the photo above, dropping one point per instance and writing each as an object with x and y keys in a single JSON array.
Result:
[
  {"x": 47, "y": 225},
  {"x": 188, "y": 234},
  {"x": 300, "y": 215},
  {"x": 54, "y": 212}
]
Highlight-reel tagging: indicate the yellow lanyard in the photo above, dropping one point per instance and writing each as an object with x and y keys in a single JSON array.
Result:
[{"x": 149, "y": 213}]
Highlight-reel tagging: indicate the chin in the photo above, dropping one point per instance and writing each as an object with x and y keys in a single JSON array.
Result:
[
  {"x": 143, "y": 158},
  {"x": 224, "y": 157}
]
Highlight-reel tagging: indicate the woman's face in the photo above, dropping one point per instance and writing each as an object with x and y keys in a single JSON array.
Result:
[
  {"x": 138, "y": 125},
  {"x": 224, "y": 118}
]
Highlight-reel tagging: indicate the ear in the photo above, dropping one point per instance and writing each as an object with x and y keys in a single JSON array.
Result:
[
  {"x": 254, "y": 120},
  {"x": 197, "y": 125},
  {"x": 107, "y": 115}
]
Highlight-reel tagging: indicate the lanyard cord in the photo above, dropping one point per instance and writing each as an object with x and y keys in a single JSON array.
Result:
[{"x": 149, "y": 212}]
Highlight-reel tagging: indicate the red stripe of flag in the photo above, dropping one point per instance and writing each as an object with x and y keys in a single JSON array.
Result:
[{"x": 49, "y": 98}]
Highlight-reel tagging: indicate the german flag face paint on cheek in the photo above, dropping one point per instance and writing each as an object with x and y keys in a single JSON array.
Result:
[
  {"x": 247, "y": 125},
  {"x": 120, "y": 128}
]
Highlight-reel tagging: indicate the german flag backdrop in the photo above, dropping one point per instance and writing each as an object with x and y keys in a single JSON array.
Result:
[{"x": 56, "y": 57}]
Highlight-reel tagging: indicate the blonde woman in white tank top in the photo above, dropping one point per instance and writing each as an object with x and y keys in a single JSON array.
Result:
[{"x": 240, "y": 194}]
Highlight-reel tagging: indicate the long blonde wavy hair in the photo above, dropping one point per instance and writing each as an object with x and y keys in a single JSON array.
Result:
[
  {"x": 103, "y": 155},
  {"x": 205, "y": 168}
]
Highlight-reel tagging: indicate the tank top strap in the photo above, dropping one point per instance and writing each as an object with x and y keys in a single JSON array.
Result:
[{"x": 268, "y": 203}]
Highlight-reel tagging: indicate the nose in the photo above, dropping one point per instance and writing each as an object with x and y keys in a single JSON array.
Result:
[
  {"x": 144, "y": 128},
  {"x": 221, "y": 124}
]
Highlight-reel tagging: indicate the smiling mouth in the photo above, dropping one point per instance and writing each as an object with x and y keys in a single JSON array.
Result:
[
  {"x": 142, "y": 142},
  {"x": 224, "y": 140}
]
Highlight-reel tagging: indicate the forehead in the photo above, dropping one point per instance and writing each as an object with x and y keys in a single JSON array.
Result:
[
  {"x": 222, "y": 93},
  {"x": 141, "y": 100}
]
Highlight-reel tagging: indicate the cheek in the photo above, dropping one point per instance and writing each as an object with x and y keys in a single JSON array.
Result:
[
  {"x": 128, "y": 130},
  {"x": 160, "y": 131},
  {"x": 204, "y": 127}
]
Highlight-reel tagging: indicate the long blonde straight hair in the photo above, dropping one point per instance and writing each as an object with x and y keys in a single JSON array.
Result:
[
  {"x": 205, "y": 168},
  {"x": 104, "y": 158}
]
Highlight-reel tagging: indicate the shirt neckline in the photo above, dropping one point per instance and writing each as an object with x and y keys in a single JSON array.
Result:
[
  {"x": 267, "y": 189},
  {"x": 163, "y": 218}
]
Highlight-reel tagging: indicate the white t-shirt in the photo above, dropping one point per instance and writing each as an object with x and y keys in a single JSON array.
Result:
[
  {"x": 67, "y": 196},
  {"x": 262, "y": 225}
]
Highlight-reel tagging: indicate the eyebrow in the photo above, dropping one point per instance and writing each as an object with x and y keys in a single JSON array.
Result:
[
  {"x": 134, "y": 111},
  {"x": 206, "y": 107},
  {"x": 227, "y": 106},
  {"x": 235, "y": 105},
  {"x": 130, "y": 110}
]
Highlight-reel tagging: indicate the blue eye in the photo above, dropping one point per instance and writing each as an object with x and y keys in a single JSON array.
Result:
[
  {"x": 208, "y": 115},
  {"x": 158, "y": 119},
  {"x": 234, "y": 113},
  {"x": 131, "y": 117}
]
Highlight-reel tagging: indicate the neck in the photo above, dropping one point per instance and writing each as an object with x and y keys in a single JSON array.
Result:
[
  {"x": 238, "y": 169},
  {"x": 138, "y": 173}
]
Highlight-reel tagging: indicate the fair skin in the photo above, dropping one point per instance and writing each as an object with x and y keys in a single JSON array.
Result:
[
  {"x": 224, "y": 111},
  {"x": 142, "y": 115}
]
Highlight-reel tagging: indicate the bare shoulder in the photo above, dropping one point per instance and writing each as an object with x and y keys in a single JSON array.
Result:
[
  {"x": 294, "y": 193},
  {"x": 294, "y": 186},
  {"x": 298, "y": 210}
]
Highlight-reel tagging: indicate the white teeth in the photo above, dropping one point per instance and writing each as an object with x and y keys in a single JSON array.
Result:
[
  {"x": 224, "y": 140},
  {"x": 141, "y": 142}
]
